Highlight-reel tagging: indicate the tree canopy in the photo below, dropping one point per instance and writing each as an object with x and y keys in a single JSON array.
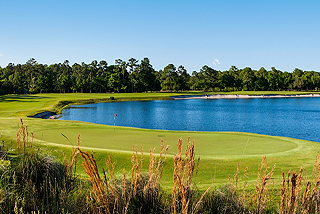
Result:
[{"x": 140, "y": 76}]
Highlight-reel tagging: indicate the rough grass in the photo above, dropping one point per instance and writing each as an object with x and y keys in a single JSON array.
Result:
[{"x": 219, "y": 152}]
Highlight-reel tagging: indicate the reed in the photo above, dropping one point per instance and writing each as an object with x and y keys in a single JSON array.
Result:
[
  {"x": 182, "y": 194},
  {"x": 142, "y": 193},
  {"x": 111, "y": 196},
  {"x": 306, "y": 199},
  {"x": 296, "y": 200},
  {"x": 311, "y": 195},
  {"x": 35, "y": 181},
  {"x": 290, "y": 192},
  {"x": 263, "y": 178}
]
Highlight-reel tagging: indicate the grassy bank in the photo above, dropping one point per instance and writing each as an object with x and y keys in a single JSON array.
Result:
[{"x": 219, "y": 152}]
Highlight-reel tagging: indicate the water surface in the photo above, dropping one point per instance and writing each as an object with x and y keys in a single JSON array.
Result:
[{"x": 289, "y": 117}]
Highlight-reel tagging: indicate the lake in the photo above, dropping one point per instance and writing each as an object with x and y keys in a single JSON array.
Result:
[{"x": 289, "y": 117}]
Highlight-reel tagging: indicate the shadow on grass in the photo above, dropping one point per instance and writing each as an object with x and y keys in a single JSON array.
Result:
[{"x": 21, "y": 98}]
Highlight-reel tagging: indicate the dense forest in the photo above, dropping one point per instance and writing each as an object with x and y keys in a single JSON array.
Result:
[{"x": 135, "y": 76}]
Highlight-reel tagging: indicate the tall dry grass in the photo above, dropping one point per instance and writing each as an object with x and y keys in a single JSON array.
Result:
[
  {"x": 290, "y": 192},
  {"x": 263, "y": 181},
  {"x": 34, "y": 181},
  {"x": 142, "y": 193},
  {"x": 120, "y": 195},
  {"x": 230, "y": 198},
  {"x": 183, "y": 174}
]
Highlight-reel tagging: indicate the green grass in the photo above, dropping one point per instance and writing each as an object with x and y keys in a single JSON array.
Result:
[
  {"x": 219, "y": 151},
  {"x": 24, "y": 105}
]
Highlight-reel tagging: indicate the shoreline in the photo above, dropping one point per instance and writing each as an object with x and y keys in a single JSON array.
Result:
[
  {"x": 238, "y": 96},
  {"x": 53, "y": 115},
  {"x": 45, "y": 115}
]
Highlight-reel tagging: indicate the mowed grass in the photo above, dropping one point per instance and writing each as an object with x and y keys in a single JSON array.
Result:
[
  {"x": 24, "y": 105},
  {"x": 219, "y": 151}
]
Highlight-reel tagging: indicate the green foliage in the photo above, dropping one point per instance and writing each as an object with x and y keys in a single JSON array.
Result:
[
  {"x": 223, "y": 200},
  {"x": 32, "y": 180},
  {"x": 133, "y": 76}
]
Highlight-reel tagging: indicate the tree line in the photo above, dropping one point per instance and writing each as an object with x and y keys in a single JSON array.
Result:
[{"x": 140, "y": 76}]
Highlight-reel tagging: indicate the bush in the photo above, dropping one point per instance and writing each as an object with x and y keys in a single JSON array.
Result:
[
  {"x": 32, "y": 180},
  {"x": 223, "y": 200}
]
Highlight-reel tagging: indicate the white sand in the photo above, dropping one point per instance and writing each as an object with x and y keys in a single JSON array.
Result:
[{"x": 236, "y": 96}]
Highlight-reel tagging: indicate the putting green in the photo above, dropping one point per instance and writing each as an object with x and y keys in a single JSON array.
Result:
[
  {"x": 219, "y": 151},
  {"x": 208, "y": 144}
]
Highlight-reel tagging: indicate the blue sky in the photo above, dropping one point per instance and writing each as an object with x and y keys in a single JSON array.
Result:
[{"x": 281, "y": 34}]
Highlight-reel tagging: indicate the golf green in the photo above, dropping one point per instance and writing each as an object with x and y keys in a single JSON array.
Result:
[{"x": 219, "y": 151}]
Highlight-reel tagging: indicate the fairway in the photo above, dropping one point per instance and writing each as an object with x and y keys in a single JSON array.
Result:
[{"x": 219, "y": 151}]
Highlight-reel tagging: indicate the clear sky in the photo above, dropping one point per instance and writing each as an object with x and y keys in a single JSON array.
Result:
[{"x": 281, "y": 34}]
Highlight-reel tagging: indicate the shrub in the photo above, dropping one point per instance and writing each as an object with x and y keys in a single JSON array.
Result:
[{"x": 32, "y": 180}]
